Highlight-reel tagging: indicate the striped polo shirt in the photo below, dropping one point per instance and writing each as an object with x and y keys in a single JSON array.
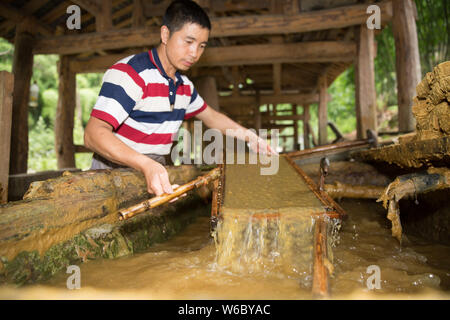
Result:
[{"x": 144, "y": 105}]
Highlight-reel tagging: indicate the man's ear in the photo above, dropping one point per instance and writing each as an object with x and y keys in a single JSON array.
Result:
[{"x": 165, "y": 34}]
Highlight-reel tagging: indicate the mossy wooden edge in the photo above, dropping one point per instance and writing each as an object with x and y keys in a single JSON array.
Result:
[
  {"x": 409, "y": 155},
  {"x": 104, "y": 241}
]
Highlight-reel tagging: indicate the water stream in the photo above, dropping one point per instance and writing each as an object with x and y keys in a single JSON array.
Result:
[{"x": 188, "y": 267}]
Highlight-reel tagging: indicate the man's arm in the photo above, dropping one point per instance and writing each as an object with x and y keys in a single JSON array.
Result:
[
  {"x": 216, "y": 120},
  {"x": 98, "y": 137}
]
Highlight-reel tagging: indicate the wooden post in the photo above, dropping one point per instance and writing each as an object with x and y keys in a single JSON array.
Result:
[
  {"x": 104, "y": 17},
  {"x": 323, "y": 118},
  {"x": 137, "y": 17},
  {"x": 257, "y": 112},
  {"x": 22, "y": 70},
  {"x": 6, "y": 90},
  {"x": 365, "y": 94},
  {"x": 306, "y": 118},
  {"x": 407, "y": 61},
  {"x": 294, "y": 113},
  {"x": 64, "y": 122},
  {"x": 207, "y": 88}
]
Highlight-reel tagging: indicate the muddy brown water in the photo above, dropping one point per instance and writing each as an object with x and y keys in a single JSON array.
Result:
[{"x": 186, "y": 267}]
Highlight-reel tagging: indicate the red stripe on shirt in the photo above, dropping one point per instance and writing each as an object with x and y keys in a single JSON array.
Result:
[
  {"x": 156, "y": 90},
  {"x": 192, "y": 114},
  {"x": 140, "y": 137},
  {"x": 105, "y": 117},
  {"x": 131, "y": 72},
  {"x": 184, "y": 90}
]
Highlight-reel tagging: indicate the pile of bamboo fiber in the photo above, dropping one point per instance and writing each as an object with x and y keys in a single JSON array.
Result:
[{"x": 431, "y": 105}]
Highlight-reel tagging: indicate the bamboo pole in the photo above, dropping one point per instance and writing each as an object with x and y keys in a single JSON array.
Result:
[{"x": 130, "y": 212}]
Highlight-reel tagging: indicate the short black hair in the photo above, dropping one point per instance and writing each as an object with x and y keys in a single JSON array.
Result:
[{"x": 181, "y": 12}]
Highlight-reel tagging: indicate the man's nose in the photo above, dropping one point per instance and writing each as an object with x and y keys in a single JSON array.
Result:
[{"x": 194, "y": 51}]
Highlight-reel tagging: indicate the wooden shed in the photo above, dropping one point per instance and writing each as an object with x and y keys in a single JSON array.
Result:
[{"x": 260, "y": 52}]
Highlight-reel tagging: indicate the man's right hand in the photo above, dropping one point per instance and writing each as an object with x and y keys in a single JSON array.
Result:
[{"x": 156, "y": 177}]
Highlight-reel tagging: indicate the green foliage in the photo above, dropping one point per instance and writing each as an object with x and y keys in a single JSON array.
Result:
[
  {"x": 49, "y": 102},
  {"x": 41, "y": 148},
  {"x": 6, "y": 55}
]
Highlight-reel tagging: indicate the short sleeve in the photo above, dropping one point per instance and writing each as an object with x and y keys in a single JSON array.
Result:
[
  {"x": 122, "y": 88},
  {"x": 196, "y": 105}
]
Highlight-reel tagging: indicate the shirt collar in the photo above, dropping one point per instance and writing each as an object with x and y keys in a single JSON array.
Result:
[{"x": 154, "y": 58}]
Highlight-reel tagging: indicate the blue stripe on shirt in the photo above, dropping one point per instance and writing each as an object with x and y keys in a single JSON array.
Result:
[
  {"x": 141, "y": 62},
  {"x": 158, "y": 117},
  {"x": 193, "y": 96},
  {"x": 113, "y": 91}
]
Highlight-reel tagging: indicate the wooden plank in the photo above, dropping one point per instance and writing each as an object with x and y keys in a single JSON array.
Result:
[
  {"x": 320, "y": 51},
  {"x": 64, "y": 122},
  {"x": 6, "y": 90},
  {"x": 221, "y": 27},
  {"x": 365, "y": 94},
  {"x": 22, "y": 69},
  {"x": 407, "y": 61},
  {"x": 232, "y": 101}
]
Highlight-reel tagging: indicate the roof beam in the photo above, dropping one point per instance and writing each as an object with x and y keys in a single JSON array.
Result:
[
  {"x": 221, "y": 27},
  {"x": 91, "y": 6},
  {"x": 11, "y": 13},
  {"x": 299, "y": 98},
  {"x": 320, "y": 51}
]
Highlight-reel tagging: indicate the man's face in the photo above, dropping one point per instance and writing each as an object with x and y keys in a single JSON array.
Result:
[{"x": 185, "y": 46}]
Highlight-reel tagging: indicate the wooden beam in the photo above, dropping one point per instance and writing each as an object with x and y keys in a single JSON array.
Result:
[
  {"x": 407, "y": 61},
  {"x": 296, "y": 117},
  {"x": 323, "y": 117},
  {"x": 340, "y": 17},
  {"x": 103, "y": 19},
  {"x": 321, "y": 51},
  {"x": 152, "y": 10},
  {"x": 22, "y": 69},
  {"x": 11, "y": 13},
  {"x": 6, "y": 90},
  {"x": 138, "y": 18},
  {"x": 64, "y": 122},
  {"x": 92, "y": 6},
  {"x": 365, "y": 93},
  {"x": 231, "y": 101}
]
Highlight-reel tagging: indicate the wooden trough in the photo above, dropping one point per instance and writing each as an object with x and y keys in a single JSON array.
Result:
[{"x": 283, "y": 216}]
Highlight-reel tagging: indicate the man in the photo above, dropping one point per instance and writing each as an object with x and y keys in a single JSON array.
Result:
[{"x": 144, "y": 100}]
